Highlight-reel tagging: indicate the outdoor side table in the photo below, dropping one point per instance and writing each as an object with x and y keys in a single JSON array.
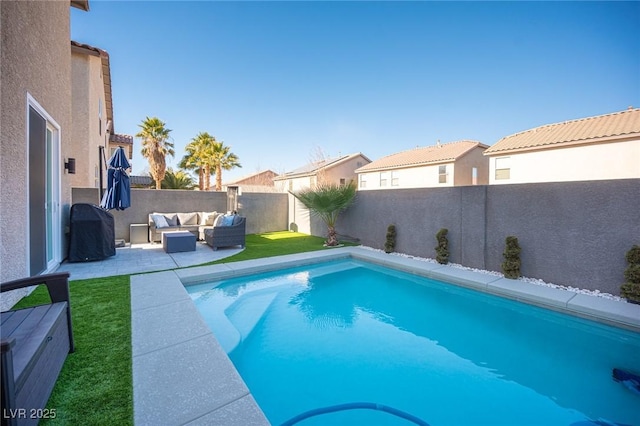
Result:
[
  {"x": 178, "y": 241},
  {"x": 138, "y": 233}
]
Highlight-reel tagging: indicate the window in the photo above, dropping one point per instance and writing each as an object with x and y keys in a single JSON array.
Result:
[
  {"x": 395, "y": 181},
  {"x": 363, "y": 181},
  {"x": 384, "y": 178},
  {"x": 442, "y": 174},
  {"x": 343, "y": 181},
  {"x": 474, "y": 176},
  {"x": 290, "y": 185},
  {"x": 100, "y": 116},
  {"x": 503, "y": 168}
]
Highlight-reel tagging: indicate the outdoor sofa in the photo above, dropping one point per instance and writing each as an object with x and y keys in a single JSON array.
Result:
[
  {"x": 34, "y": 344},
  {"x": 227, "y": 235},
  {"x": 194, "y": 222}
]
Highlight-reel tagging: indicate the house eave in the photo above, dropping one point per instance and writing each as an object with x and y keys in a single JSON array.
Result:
[
  {"x": 560, "y": 145},
  {"x": 80, "y": 4}
]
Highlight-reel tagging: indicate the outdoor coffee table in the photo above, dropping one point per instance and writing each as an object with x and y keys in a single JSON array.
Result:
[{"x": 178, "y": 241}]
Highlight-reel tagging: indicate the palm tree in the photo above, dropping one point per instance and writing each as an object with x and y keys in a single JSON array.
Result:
[
  {"x": 326, "y": 201},
  {"x": 222, "y": 158},
  {"x": 196, "y": 158},
  {"x": 177, "y": 180},
  {"x": 155, "y": 146}
]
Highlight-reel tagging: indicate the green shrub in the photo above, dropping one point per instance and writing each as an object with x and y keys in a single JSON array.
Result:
[
  {"x": 511, "y": 264},
  {"x": 442, "y": 249},
  {"x": 630, "y": 290},
  {"x": 390, "y": 245}
]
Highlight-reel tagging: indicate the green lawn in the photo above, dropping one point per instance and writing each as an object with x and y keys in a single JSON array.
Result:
[{"x": 95, "y": 385}]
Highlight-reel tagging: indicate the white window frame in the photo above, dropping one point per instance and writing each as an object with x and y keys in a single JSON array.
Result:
[
  {"x": 442, "y": 173},
  {"x": 384, "y": 179},
  {"x": 502, "y": 168}
]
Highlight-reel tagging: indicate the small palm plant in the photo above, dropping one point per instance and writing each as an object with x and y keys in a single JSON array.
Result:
[
  {"x": 177, "y": 180},
  {"x": 326, "y": 201}
]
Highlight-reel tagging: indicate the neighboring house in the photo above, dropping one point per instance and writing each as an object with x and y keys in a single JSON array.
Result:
[
  {"x": 256, "y": 182},
  {"x": 340, "y": 170},
  {"x": 451, "y": 164},
  {"x": 92, "y": 134},
  {"x": 35, "y": 139},
  {"x": 593, "y": 148},
  {"x": 124, "y": 141}
]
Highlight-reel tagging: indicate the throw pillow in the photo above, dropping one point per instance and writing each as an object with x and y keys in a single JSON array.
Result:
[
  {"x": 236, "y": 219},
  {"x": 159, "y": 220},
  {"x": 207, "y": 218},
  {"x": 228, "y": 220},
  {"x": 219, "y": 220},
  {"x": 188, "y": 218},
  {"x": 172, "y": 219}
]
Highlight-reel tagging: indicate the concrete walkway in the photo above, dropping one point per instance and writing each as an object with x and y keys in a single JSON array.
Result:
[{"x": 141, "y": 258}]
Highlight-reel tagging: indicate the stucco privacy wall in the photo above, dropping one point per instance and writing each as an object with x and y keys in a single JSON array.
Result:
[
  {"x": 265, "y": 212},
  {"x": 571, "y": 233},
  {"x": 35, "y": 59}
]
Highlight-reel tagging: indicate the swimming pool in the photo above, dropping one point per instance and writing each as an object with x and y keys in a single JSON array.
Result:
[{"x": 349, "y": 331}]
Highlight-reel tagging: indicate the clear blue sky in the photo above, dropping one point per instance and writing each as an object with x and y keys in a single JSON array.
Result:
[{"x": 278, "y": 80}]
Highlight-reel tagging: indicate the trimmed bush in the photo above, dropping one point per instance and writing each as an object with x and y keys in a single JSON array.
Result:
[
  {"x": 442, "y": 249},
  {"x": 630, "y": 290},
  {"x": 390, "y": 245},
  {"x": 511, "y": 264}
]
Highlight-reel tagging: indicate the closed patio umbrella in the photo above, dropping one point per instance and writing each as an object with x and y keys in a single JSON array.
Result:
[{"x": 118, "y": 194}]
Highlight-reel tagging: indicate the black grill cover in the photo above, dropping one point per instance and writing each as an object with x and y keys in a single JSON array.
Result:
[{"x": 92, "y": 233}]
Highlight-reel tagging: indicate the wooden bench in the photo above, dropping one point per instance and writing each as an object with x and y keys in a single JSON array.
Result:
[{"x": 35, "y": 342}]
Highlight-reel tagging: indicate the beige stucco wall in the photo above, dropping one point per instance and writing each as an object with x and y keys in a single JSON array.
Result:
[
  {"x": 619, "y": 160},
  {"x": 345, "y": 170},
  {"x": 35, "y": 59},
  {"x": 86, "y": 134},
  {"x": 466, "y": 163}
]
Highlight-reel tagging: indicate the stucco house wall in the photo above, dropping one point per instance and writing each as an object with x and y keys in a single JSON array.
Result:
[
  {"x": 463, "y": 172},
  {"x": 613, "y": 160},
  {"x": 35, "y": 61},
  {"x": 408, "y": 177},
  {"x": 87, "y": 134},
  {"x": 344, "y": 170}
]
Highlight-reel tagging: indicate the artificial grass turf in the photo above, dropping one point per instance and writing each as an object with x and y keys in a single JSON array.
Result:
[
  {"x": 277, "y": 244},
  {"x": 95, "y": 385}
]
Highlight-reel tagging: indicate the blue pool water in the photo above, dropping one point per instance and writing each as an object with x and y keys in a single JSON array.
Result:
[{"x": 348, "y": 331}]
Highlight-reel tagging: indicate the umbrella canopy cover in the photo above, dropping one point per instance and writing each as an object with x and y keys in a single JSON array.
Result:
[{"x": 118, "y": 193}]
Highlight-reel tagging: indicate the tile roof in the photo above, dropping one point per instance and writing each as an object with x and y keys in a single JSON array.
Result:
[
  {"x": 123, "y": 139},
  {"x": 602, "y": 128},
  {"x": 264, "y": 177},
  {"x": 419, "y": 156},
  {"x": 315, "y": 166},
  {"x": 141, "y": 180}
]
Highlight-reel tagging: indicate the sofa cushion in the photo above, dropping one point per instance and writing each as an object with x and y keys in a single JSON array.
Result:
[
  {"x": 207, "y": 218},
  {"x": 159, "y": 220},
  {"x": 236, "y": 219},
  {"x": 188, "y": 218}
]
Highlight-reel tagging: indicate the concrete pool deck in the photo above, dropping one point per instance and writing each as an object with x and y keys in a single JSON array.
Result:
[{"x": 181, "y": 375}]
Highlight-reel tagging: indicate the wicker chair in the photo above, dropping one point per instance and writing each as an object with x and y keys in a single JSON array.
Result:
[{"x": 226, "y": 236}]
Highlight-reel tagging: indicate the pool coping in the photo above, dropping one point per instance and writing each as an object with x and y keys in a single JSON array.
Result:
[{"x": 204, "y": 387}]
